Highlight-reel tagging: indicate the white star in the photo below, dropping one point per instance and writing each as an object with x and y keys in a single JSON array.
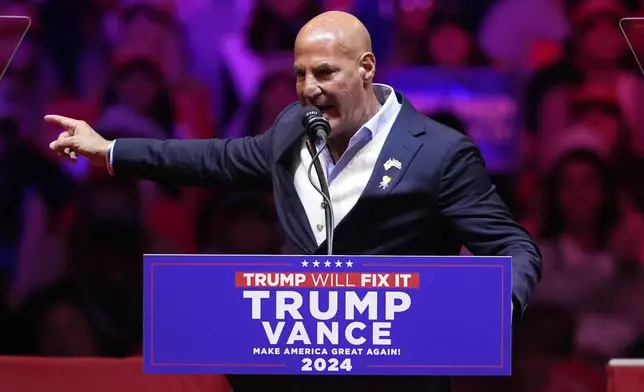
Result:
[
  {"x": 327, "y": 263},
  {"x": 316, "y": 263},
  {"x": 305, "y": 263},
  {"x": 338, "y": 263},
  {"x": 349, "y": 263}
]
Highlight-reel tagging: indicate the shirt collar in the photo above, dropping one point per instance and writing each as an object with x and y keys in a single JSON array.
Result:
[{"x": 387, "y": 98}]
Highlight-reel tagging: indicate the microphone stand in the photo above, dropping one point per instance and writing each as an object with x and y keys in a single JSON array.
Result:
[{"x": 324, "y": 191}]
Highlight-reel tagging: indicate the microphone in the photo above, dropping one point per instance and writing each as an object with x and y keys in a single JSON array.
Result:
[{"x": 318, "y": 128}]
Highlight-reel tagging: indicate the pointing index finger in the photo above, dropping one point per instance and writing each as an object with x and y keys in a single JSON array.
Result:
[{"x": 65, "y": 122}]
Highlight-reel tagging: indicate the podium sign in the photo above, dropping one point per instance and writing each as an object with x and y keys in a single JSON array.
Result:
[{"x": 346, "y": 315}]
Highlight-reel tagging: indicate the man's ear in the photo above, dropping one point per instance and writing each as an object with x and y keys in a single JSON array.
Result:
[{"x": 367, "y": 66}]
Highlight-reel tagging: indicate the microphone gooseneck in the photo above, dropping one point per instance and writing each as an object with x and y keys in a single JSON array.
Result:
[{"x": 318, "y": 128}]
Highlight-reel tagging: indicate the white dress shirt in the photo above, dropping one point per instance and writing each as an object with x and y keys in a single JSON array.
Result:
[{"x": 348, "y": 177}]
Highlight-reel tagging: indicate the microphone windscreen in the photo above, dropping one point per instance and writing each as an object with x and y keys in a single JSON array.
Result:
[{"x": 309, "y": 113}]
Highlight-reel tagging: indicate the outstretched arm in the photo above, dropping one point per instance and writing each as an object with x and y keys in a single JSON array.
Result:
[{"x": 241, "y": 162}]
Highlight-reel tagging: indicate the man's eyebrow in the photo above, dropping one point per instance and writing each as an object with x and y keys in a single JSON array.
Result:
[
  {"x": 318, "y": 68},
  {"x": 325, "y": 67}
]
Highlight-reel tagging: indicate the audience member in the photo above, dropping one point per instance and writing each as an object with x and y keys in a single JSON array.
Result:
[
  {"x": 451, "y": 44},
  {"x": 275, "y": 24},
  {"x": 245, "y": 226},
  {"x": 138, "y": 102},
  {"x": 595, "y": 53},
  {"x": 411, "y": 19},
  {"x": 53, "y": 323},
  {"x": 580, "y": 213},
  {"x": 275, "y": 93}
]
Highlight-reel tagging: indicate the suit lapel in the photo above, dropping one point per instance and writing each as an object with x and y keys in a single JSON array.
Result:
[
  {"x": 393, "y": 161},
  {"x": 397, "y": 153},
  {"x": 296, "y": 221}
]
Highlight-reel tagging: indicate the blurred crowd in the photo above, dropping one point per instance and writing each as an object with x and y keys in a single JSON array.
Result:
[{"x": 72, "y": 238}]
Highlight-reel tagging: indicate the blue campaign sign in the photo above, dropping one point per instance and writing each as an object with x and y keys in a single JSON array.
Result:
[{"x": 346, "y": 315}]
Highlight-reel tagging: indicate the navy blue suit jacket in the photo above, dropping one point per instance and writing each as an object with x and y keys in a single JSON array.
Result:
[{"x": 442, "y": 197}]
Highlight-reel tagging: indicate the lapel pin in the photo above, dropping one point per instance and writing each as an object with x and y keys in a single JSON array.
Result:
[
  {"x": 391, "y": 162},
  {"x": 385, "y": 182}
]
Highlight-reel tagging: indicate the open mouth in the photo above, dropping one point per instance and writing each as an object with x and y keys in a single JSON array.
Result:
[{"x": 324, "y": 109}]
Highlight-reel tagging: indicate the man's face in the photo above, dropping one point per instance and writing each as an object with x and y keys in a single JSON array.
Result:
[{"x": 330, "y": 79}]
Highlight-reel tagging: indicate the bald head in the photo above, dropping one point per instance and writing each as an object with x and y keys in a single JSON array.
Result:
[
  {"x": 335, "y": 67},
  {"x": 336, "y": 28}
]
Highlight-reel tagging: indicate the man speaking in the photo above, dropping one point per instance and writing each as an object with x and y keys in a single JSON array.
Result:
[{"x": 417, "y": 187}]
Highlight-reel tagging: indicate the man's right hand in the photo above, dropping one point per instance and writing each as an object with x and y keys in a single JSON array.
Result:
[{"x": 78, "y": 138}]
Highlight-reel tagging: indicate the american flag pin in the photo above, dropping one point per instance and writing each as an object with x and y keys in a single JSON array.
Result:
[{"x": 391, "y": 162}]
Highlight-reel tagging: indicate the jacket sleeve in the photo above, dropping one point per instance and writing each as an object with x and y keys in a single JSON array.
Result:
[
  {"x": 469, "y": 201},
  {"x": 239, "y": 162}
]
